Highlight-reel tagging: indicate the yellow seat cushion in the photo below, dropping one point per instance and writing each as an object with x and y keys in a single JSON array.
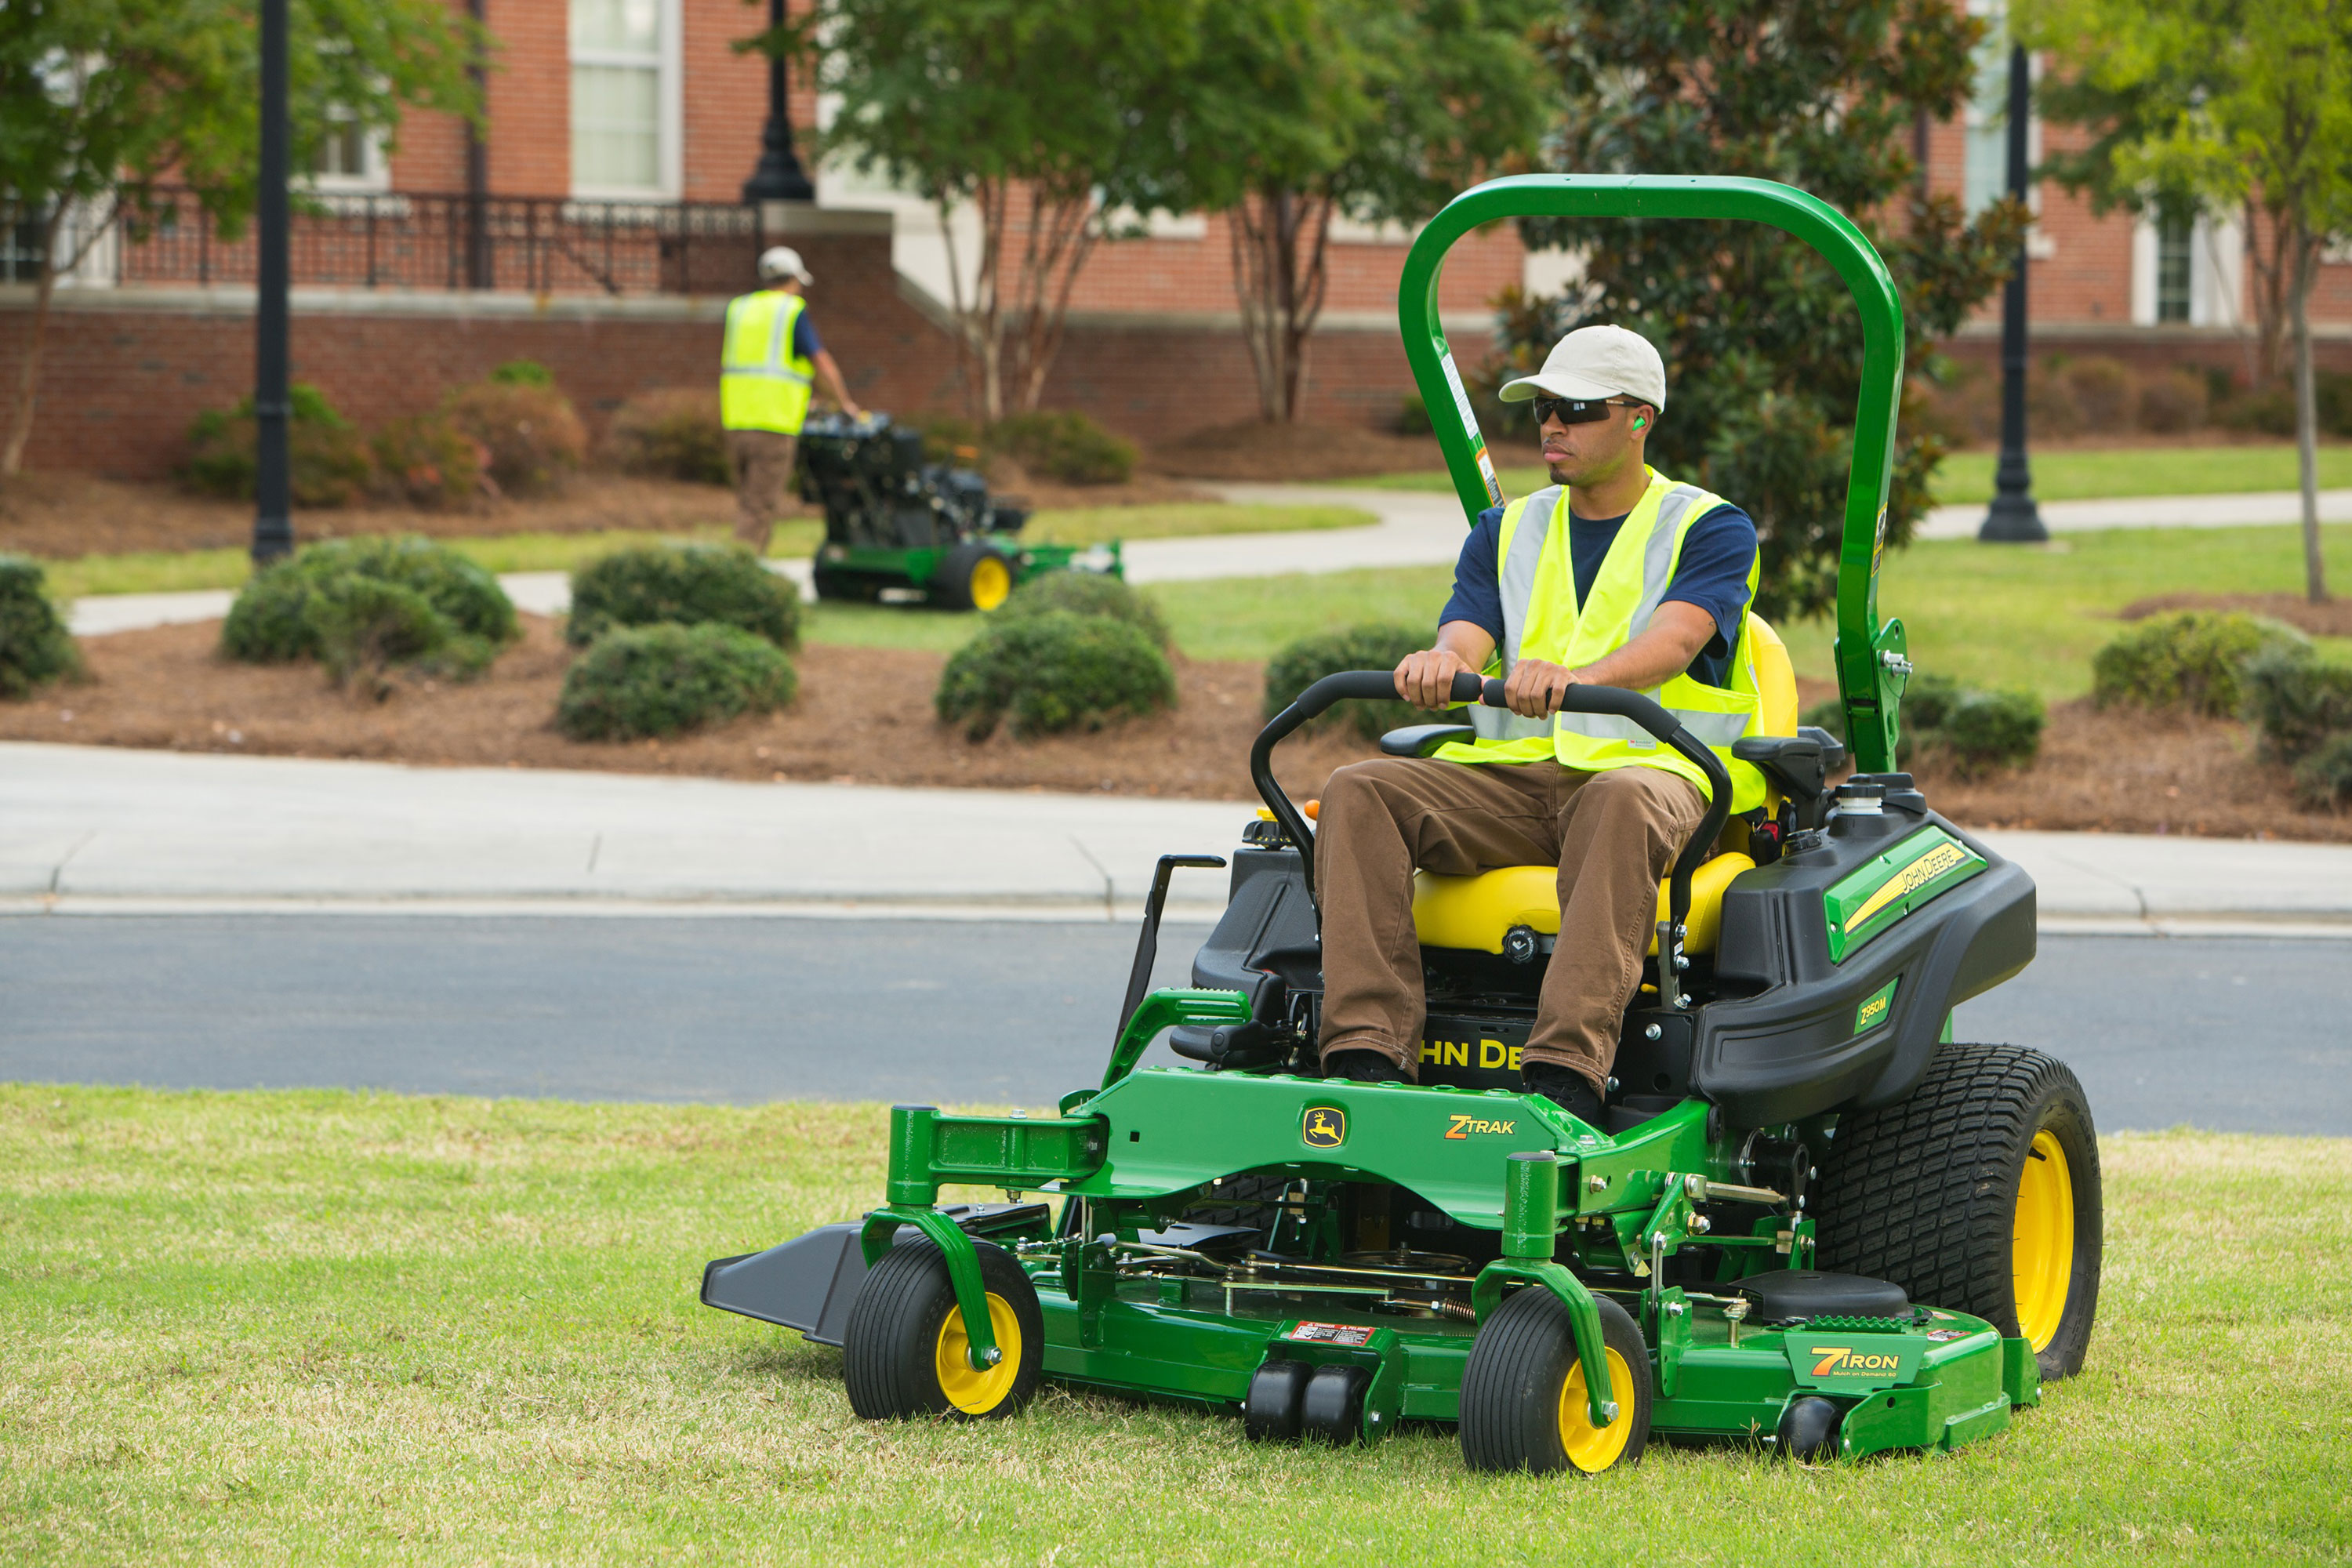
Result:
[{"x": 1475, "y": 911}]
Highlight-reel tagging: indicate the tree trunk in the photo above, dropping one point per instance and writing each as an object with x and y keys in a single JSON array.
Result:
[
  {"x": 2306, "y": 419},
  {"x": 28, "y": 373},
  {"x": 1280, "y": 298}
]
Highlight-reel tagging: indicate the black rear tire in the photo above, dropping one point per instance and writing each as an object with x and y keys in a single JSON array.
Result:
[
  {"x": 1925, "y": 1192},
  {"x": 1518, "y": 1411},
  {"x": 902, "y": 1348},
  {"x": 841, "y": 587},
  {"x": 972, "y": 577}
]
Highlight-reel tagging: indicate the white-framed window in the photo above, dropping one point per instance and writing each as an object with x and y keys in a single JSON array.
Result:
[
  {"x": 2187, "y": 272},
  {"x": 626, "y": 100},
  {"x": 1984, "y": 178},
  {"x": 349, "y": 157}
]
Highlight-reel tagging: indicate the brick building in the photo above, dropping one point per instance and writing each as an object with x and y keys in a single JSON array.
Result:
[{"x": 606, "y": 232}]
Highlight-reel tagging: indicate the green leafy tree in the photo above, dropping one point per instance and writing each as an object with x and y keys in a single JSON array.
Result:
[
  {"x": 102, "y": 102},
  {"x": 1295, "y": 112},
  {"x": 1762, "y": 343},
  {"x": 1035, "y": 113},
  {"x": 2220, "y": 106}
]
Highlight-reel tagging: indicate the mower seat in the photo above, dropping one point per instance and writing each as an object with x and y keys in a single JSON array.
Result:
[{"x": 1477, "y": 912}]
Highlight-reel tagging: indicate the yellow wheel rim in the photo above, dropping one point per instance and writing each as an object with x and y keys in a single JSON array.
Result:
[
  {"x": 1594, "y": 1448},
  {"x": 2043, "y": 1250},
  {"x": 992, "y": 580},
  {"x": 978, "y": 1393}
]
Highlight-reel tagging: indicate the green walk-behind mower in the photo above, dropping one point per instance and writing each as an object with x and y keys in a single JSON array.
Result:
[
  {"x": 1810, "y": 1219},
  {"x": 901, "y": 528}
]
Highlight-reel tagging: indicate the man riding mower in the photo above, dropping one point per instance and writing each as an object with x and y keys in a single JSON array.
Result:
[{"x": 1597, "y": 1157}]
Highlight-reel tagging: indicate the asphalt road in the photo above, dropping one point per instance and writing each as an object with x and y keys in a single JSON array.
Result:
[{"x": 2238, "y": 1035}]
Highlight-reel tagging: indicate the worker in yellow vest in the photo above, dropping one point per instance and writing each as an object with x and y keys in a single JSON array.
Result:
[
  {"x": 769, "y": 358},
  {"x": 1613, "y": 575}
]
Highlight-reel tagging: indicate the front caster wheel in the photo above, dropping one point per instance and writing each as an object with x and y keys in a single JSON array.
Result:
[
  {"x": 1523, "y": 1405},
  {"x": 905, "y": 1348}
]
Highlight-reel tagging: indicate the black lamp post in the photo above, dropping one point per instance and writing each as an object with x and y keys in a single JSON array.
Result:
[
  {"x": 273, "y": 523},
  {"x": 779, "y": 176},
  {"x": 2013, "y": 518}
]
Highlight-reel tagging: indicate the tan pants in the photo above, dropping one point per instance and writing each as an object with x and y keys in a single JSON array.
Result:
[
  {"x": 1613, "y": 836},
  {"x": 762, "y": 464}
]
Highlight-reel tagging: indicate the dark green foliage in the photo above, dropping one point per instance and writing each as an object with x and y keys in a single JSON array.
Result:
[
  {"x": 425, "y": 460},
  {"x": 660, "y": 680},
  {"x": 1761, "y": 340},
  {"x": 948, "y": 438},
  {"x": 2323, "y": 780},
  {"x": 1086, "y": 593},
  {"x": 672, "y": 432},
  {"x": 35, "y": 647},
  {"x": 2299, "y": 703},
  {"x": 326, "y": 460},
  {"x": 1052, "y": 672},
  {"x": 1976, "y": 732},
  {"x": 271, "y": 620},
  {"x": 523, "y": 372},
  {"x": 1067, "y": 446},
  {"x": 2265, "y": 411},
  {"x": 1373, "y": 645},
  {"x": 692, "y": 584},
  {"x": 363, "y": 625},
  {"x": 2190, "y": 659}
]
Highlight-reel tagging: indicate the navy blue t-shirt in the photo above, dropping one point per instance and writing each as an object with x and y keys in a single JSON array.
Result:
[
  {"x": 806, "y": 344},
  {"x": 1711, "y": 574}
]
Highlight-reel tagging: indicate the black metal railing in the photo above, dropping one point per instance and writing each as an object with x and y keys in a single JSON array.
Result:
[{"x": 436, "y": 241}]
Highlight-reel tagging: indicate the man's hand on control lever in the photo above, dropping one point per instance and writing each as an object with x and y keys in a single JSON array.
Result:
[
  {"x": 1533, "y": 688},
  {"x": 1425, "y": 679}
]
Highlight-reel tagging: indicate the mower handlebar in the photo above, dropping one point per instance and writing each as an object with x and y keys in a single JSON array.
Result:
[{"x": 1380, "y": 686}]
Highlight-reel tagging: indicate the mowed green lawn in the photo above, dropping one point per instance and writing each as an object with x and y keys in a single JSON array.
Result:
[
  {"x": 2069, "y": 474},
  {"x": 315, "y": 1327}
]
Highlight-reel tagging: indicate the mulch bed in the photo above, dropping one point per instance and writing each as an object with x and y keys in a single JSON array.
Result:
[
  {"x": 1296, "y": 453},
  {"x": 2332, "y": 619},
  {"x": 864, "y": 717}
]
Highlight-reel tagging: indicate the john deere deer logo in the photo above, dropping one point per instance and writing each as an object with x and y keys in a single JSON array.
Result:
[{"x": 1326, "y": 1127}]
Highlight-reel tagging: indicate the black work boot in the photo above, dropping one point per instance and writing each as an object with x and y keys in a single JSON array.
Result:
[
  {"x": 1567, "y": 1088},
  {"x": 1362, "y": 1067}
]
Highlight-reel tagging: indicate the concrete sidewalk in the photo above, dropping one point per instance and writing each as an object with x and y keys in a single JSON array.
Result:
[
  {"x": 1416, "y": 528},
  {"x": 99, "y": 829}
]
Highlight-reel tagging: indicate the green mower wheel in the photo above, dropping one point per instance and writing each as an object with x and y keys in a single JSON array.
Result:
[
  {"x": 1979, "y": 1193},
  {"x": 1523, "y": 1405},
  {"x": 904, "y": 1348}
]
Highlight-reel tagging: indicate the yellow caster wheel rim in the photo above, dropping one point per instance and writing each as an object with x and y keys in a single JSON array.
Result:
[
  {"x": 1593, "y": 1449},
  {"x": 976, "y": 1392},
  {"x": 991, "y": 581}
]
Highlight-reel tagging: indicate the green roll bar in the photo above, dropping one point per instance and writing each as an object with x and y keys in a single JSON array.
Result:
[{"x": 1872, "y": 662}]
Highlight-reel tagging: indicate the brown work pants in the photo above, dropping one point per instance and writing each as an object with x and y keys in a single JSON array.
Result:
[
  {"x": 1612, "y": 835},
  {"x": 762, "y": 464}
]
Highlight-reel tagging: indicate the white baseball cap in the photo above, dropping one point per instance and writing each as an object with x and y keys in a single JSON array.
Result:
[
  {"x": 784, "y": 261},
  {"x": 1592, "y": 364}
]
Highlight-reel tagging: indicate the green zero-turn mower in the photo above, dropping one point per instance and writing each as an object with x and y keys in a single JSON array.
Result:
[
  {"x": 899, "y": 528},
  {"x": 1810, "y": 1220}
]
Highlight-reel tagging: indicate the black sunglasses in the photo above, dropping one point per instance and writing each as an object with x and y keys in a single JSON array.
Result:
[{"x": 1573, "y": 411}]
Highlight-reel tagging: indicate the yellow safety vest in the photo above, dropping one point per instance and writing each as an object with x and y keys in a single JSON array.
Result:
[
  {"x": 1541, "y": 619},
  {"x": 763, "y": 383}
]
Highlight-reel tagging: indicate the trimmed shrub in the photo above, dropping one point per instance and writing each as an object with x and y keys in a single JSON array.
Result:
[
  {"x": 2188, "y": 659},
  {"x": 1983, "y": 732},
  {"x": 270, "y": 622},
  {"x": 2268, "y": 411},
  {"x": 364, "y": 626},
  {"x": 2323, "y": 781},
  {"x": 425, "y": 460},
  {"x": 523, "y": 372},
  {"x": 1976, "y": 731},
  {"x": 326, "y": 460},
  {"x": 671, "y": 432},
  {"x": 692, "y": 584},
  {"x": 1052, "y": 672},
  {"x": 1412, "y": 417},
  {"x": 35, "y": 646},
  {"x": 534, "y": 440},
  {"x": 2332, "y": 392},
  {"x": 635, "y": 682},
  {"x": 1067, "y": 446},
  {"x": 2176, "y": 401},
  {"x": 1373, "y": 645},
  {"x": 2050, "y": 405},
  {"x": 2299, "y": 703},
  {"x": 2106, "y": 392},
  {"x": 948, "y": 438},
  {"x": 1086, "y": 593}
]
